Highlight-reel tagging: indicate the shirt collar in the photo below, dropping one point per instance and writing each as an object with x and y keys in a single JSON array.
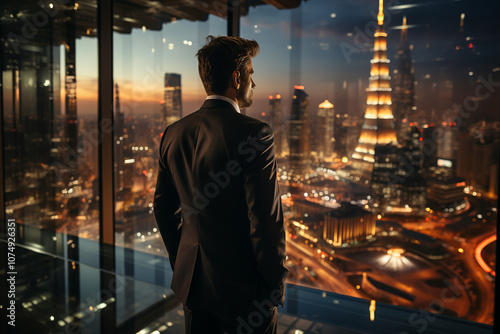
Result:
[{"x": 223, "y": 98}]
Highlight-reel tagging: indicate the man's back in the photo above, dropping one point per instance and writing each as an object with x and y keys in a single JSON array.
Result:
[{"x": 219, "y": 166}]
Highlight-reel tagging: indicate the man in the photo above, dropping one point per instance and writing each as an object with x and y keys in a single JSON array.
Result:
[{"x": 217, "y": 202}]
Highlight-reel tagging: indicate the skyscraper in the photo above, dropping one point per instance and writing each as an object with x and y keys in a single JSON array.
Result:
[
  {"x": 340, "y": 132},
  {"x": 325, "y": 127},
  {"x": 385, "y": 186},
  {"x": 411, "y": 186},
  {"x": 172, "y": 109},
  {"x": 278, "y": 124},
  {"x": 299, "y": 131},
  {"x": 378, "y": 126},
  {"x": 404, "y": 81}
]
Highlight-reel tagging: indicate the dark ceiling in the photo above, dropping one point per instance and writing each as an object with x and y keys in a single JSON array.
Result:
[{"x": 127, "y": 14}]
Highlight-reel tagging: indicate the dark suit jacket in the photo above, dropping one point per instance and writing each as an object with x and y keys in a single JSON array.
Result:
[{"x": 227, "y": 245}]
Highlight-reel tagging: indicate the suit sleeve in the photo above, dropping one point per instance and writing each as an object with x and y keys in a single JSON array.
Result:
[
  {"x": 265, "y": 212},
  {"x": 166, "y": 210}
]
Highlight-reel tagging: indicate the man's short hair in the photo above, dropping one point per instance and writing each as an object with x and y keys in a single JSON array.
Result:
[{"x": 220, "y": 57}]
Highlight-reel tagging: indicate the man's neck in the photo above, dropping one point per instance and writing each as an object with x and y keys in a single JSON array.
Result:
[{"x": 226, "y": 98}]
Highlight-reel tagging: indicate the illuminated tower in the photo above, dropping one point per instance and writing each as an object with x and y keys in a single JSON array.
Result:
[
  {"x": 325, "y": 128},
  {"x": 404, "y": 86},
  {"x": 278, "y": 125},
  {"x": 378, "y": 126},
  {"x": 299, "y": 131},
  {"x": 172, "y": 109}
]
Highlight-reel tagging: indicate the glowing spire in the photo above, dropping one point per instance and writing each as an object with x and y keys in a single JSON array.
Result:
[
  {"x": 380, "y": 16},
  {"x": 404, "y": 31}
]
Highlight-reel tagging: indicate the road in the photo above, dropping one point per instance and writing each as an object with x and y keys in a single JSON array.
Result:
[{"x": 328, "y": 279}]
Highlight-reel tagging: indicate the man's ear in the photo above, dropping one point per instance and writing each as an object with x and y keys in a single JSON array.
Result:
[{"x": 236, "y": 79}]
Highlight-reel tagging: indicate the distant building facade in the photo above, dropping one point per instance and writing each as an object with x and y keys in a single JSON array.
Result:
[
  {"x": 325, "y": 131},
  {"x": 384, "y": 192},
  {"x": 348, "y": 223},
  {"x": 403, "y": 96},
  {"x": 299, "y": 132},
  {"x": 172, "y": 107},
  {"x": 278, "y": 123},
  {"x": 340, "y": 132},
  {"x": 446, "y": 194}
]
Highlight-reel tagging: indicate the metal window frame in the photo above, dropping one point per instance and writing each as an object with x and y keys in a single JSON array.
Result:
[
  {"x": 105, "y": 122},
  {"x": 233, "y": 17}
]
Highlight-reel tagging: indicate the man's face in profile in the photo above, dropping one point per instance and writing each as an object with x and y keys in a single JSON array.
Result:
[{"x": 245, "y": 93}]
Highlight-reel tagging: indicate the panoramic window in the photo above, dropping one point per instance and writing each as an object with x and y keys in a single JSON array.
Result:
[{"x": 387, "y": 136}]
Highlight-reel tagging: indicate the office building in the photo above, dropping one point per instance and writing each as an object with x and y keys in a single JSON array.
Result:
[
  {"x": 299, "y": 132},
  {"x": 172, "y": 107},
  {"x": 347, "y": 224},
  {"x": 403, "y": 96},
  {"x": 446, "y": 194},
  {"x": 278, "y": 122},
  {"x": 324, "y": 133}
]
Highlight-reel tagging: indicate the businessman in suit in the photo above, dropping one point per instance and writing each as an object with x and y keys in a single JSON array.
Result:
[{"x": 217, "y": 202}]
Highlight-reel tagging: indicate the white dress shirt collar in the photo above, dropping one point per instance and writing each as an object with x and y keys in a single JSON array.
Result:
[{"x": 223, "y": 98}]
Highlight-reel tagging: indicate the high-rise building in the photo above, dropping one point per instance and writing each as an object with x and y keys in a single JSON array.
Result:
[
  {"x": 378, "y": 126},
  {"x": 410, "y": 183},
  {"x": 446, "y": 194},
  {"x": 325, "y": 131},
  {"x": 348, "y": 223},
  {"x": 447, "y": 143},
  {"x": 340, "y": 132},
  {"x": 384, "y": 190},
  {"x": 477, "y": 163},
  {"x": 278, "y": 124},
  {"x": 403, "y": 96},
  {"x": 299, "y": 131},
  {"x": 172, "y": 108}
]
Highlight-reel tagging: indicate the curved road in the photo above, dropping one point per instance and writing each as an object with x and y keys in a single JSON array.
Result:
[{"x": 478, "y": 251}]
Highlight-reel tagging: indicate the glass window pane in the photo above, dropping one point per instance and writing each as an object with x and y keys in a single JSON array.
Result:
[{"x": 387, "y": 142}]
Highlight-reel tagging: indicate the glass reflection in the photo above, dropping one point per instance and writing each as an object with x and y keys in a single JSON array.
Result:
[{"x": 50, "y": 116}]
